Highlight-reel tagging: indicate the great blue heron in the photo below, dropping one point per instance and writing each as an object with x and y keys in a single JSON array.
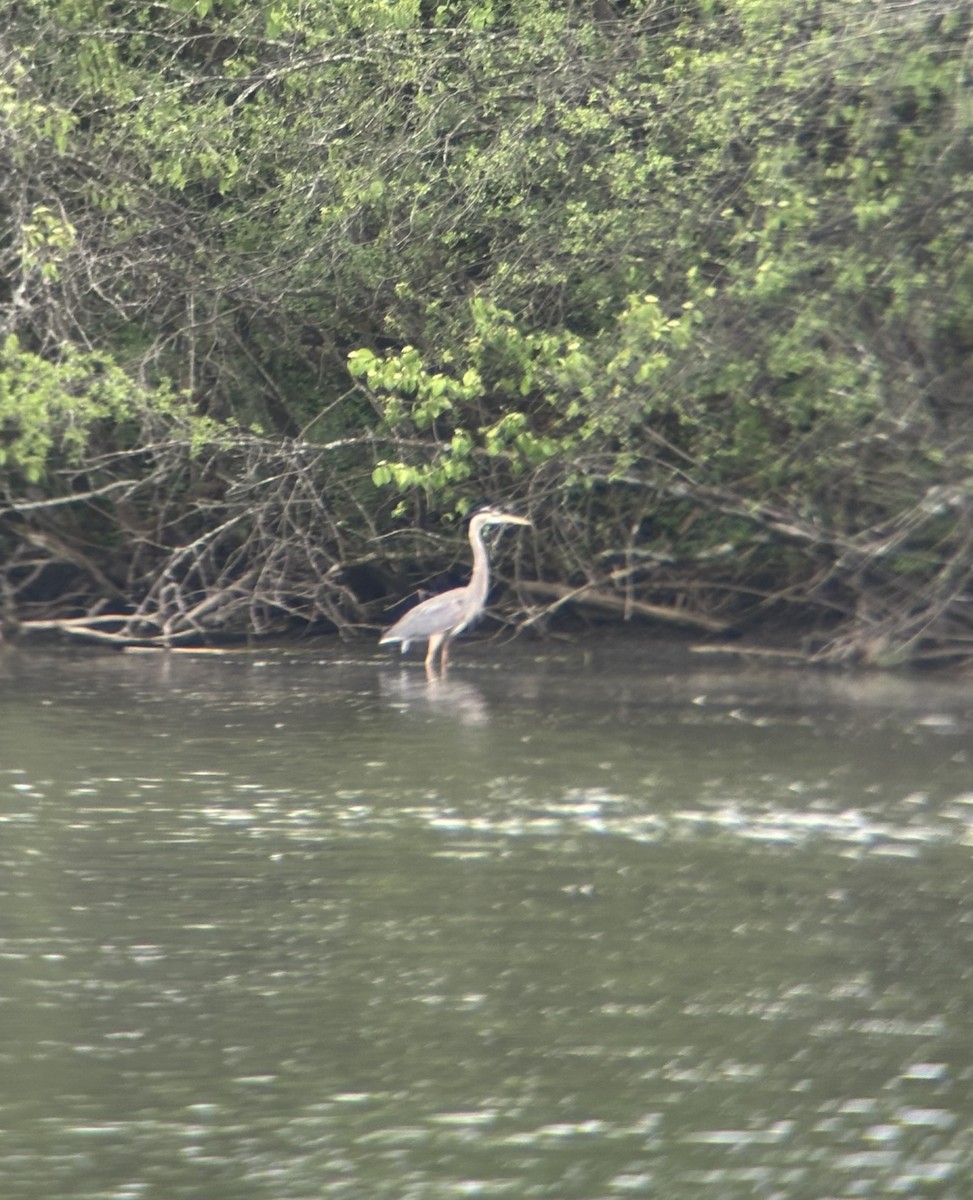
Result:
[{"x": 439, "y": 619}]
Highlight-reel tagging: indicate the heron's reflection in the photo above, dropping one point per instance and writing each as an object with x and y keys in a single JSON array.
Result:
[{"x": 446, "y": 697}]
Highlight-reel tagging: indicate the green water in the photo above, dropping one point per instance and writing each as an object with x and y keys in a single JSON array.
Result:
[{"x": 586, "y": 922}]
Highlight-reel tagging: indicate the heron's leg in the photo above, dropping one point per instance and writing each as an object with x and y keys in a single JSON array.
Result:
[
  {"x": 435, "y": 641},
  {"x": 444, "y": 654}
]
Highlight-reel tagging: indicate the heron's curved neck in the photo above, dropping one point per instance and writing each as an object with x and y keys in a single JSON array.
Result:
[{"x": 480, "y": 579}]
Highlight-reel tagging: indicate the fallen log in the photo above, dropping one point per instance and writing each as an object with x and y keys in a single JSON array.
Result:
[{"x": 592, "y": 595}]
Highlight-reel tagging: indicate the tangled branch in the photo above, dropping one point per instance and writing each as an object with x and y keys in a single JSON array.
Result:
[{"x": 244, "y": 540}]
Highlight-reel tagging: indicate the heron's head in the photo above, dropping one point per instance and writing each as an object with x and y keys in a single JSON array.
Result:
[{"x": 495, "y": 516}]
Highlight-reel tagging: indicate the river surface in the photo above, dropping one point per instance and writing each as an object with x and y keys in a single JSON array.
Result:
[{"x": 588, "y": 920}]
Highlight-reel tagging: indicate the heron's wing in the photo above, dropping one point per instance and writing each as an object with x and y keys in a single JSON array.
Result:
[{"x": 447, "y": 613}]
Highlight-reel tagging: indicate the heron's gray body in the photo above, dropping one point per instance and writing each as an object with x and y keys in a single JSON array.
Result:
[
  {"x": 439, "y": 619},
  {"x": 444, "y": 614}
]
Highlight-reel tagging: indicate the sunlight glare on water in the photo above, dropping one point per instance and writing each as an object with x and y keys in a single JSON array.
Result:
[{"x": 598, "y": 921}]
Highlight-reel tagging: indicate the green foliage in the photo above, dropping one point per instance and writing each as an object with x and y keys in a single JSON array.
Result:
[
  {"x": 473, "y": 407},
  {"x": 46, "y": 239},
  {"x": 603, "y": 251},
  {"x": 52, "y": 411}
]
